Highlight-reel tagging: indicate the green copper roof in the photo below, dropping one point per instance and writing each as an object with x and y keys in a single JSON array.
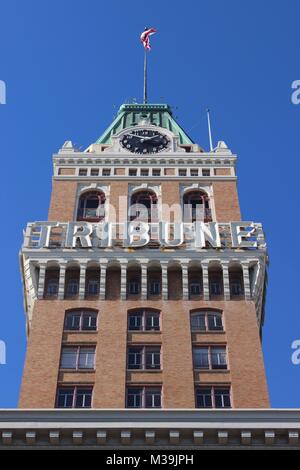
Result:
[{"x": 131, "y": 114}]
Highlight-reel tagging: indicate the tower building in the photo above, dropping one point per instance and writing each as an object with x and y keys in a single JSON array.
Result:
[{"x": 144, "y": 288}]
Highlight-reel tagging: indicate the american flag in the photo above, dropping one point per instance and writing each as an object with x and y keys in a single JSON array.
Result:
[{"x": 145, "y": 37}]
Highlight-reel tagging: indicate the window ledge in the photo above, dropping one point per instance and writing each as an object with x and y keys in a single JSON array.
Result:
[
  {"x": 77, "y": 371},
  {"x": 145, "y": 370},
  {"x": 212, "y": 332},
  {"x": 76, "y": 332},
  {"x": 147, "y": 332},
  {"x": 213, "y": 371}
]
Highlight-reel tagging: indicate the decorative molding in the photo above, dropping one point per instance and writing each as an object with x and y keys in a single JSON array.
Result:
[{"x": 121, "y": 428}]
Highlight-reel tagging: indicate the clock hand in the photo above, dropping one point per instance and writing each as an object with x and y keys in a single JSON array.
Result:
[
  {"x": 138, "y": 136},
  {"x": 152, "y": 137}
]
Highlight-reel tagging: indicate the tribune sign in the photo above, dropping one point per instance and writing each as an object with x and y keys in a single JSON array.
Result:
[{"x": 135, "y": 234}]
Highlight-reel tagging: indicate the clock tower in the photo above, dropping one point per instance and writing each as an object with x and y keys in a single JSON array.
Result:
[{"x": 168, "y": 320}]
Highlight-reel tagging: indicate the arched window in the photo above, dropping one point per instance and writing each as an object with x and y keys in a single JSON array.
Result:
[
  {"x": 143, "y": 206},
  {"x": 196, "y": 206},
  {"x": 81, "y": 320},
  {"x": 236, "y": 281},
  {"x": 91, "y": 206},
  {"x": 206, "y": 320},
  {"x": 144, "y": 320}
]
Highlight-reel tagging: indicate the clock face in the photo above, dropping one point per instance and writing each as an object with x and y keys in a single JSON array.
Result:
[{"x": 145, "y": 141}]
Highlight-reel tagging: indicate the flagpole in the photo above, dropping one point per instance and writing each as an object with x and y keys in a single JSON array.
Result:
[
  {"x": 145, "y": 77},
  {"x": 209, "y": 130}
]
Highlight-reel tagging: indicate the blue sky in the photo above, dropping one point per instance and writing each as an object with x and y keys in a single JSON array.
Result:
[{"x": 69, "y": 64}]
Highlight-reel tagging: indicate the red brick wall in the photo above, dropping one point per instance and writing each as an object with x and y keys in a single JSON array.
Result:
[{"x": 247, "y": 376}]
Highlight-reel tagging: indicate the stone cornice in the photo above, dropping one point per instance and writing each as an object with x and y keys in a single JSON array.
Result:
[{"x": 194, "y": 429}]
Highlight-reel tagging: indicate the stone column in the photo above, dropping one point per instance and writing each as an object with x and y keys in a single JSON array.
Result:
[
  {"x": 226, "y": 284},
  {"x": 102, "y": 287},
  {"x": 42, "y": 276},
  {"x": 185, "y": 280},
  {"x": 144, "y": 279},
  {"x": 82, "y": 280},
  {"x": 123, "y": 280},
  {"x": 204, "y": 265},
  {"x": 246, "y": 277},
  {"x": 164, "y": 280},
  {"x": 62, "y": 278}
]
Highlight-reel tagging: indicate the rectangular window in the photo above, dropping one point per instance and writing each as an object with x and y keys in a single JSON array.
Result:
[
  {"x": 210, "y": 357},
  {"x": 89, "y": 321},
  {"x": 94, "y": 172},
  {"x": 134, "y": 398},
  {"x": 214, "y": 322},
  {"x": 106, "y": 172},
  {"x": 83, "y": 397},
  {"x": 182, "y": 172},
  {"x": 135, "y": 321},
  {"x": 222, "y": 397},
  {"x": 213, "y": 397},
  {"x": 152, "y": 357},
  {"x": 72, "y": 321},
  {"x": 135, "y": 358},
  {"x": 143, "y": 397},
  {"x": 77, "y": 358},
  {"x": 82, "y": 172},
  {"x": 52, "y": 288},
  {"x": 93, "y": 287},
  {"x": 86, "y": 359},
  {"x": 201, "y": 358},
  {"x": 194, "y": 172},
  {"x": 154, "y": 288},
  {"x": 206, "y": 172},
  {"x": 72, "y": 287},
  {"x": 74, "y": 397},
  {"x": 144, "y": 172},
  {"x": 133, "y": 287},
  {"x": 81, "y": 321},
  {"x": 132, "y": 172},
  {"x": 218, "y": 358},
  {"x": 152, "y": 321},
  {"x": 215, "y": 288},
  {"x": 65, "y": 397},
  {"x": 69, "y": 358},
  {"x": 198, "y": 322},
  {"x": 143, "y": 357},
  {"x": 204, "y": 398},
  {"x": 195, "y": 288},
  {"x": 236, "y": 288},
  {"x": 156, "y": 172},
  {"x": 153, "y": 398}
]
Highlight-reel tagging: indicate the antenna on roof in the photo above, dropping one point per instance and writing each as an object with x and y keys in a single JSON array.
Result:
[{"x": 209, "y": 130}]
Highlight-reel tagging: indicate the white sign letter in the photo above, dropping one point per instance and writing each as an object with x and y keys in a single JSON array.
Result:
[
  {"x": 81, "y": 232},
  {"x": 240, "y": 232}
]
